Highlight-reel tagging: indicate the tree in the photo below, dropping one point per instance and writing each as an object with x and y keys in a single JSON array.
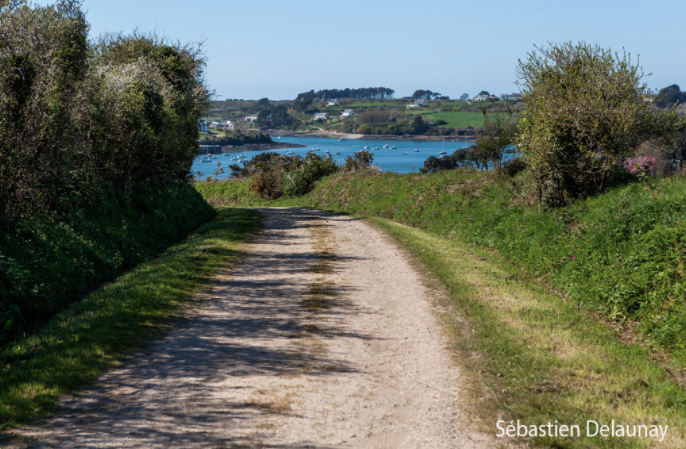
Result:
[
  {"x": 464, "y": 97},
  {"x": 424, "y": 94},
  {"x": 419, "y": 126},
  {"x": 497, "y": 134},
  {"x": 585, "y": 113},
  {"x": 669, "y": 96},
  {"x": 274, "y": 117},
  {"x": 263, "y": 118},
  {"x": 302, "y": 104},
  {"x": 263, "y": 103},
  {"x": 484, "y": 92},
  {"x": 363, "y": 92}
]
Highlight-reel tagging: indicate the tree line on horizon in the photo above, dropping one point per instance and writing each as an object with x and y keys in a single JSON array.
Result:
[{"x": 370, "y": 93}]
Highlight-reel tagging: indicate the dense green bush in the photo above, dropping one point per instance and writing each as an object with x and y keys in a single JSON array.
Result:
[
  {"x": 274, "y": 175},
  {"x": 51, "y": 260},
  {"x": 471, "y": 157},
  {"x": 96, "y": 144},
  {"x": 360, "y": 161},
  {"x": 77, "y": 118},
  {"x": 302, "y": 179},
  {"x": 585, "y": 113},
  {"x": 512, "y": 167}
]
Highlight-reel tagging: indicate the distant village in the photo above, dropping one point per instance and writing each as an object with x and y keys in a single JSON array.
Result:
[{"x": 229, "y": 125}]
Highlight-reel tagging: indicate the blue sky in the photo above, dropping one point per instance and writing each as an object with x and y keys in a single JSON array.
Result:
[{"x": 277, "y": 49}]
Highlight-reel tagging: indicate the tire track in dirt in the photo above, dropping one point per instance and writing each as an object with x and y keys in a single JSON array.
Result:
[{"x": 323, "y": 337}]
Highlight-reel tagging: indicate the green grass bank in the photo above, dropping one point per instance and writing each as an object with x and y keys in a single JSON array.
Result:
[
  {"x": 99, "y": 331},
  {"x": 48, "y": 261},
  {"x": 528, "y": 355},
  {"x": 620, "y": 255}
]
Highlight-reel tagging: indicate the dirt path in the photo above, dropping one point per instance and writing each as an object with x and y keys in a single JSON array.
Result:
[{"x": 323, "y": 337}]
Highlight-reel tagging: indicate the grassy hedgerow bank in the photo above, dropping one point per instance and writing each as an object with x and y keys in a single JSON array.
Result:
[
  {"x": 94, "y": 334},
  {"x": 530, "y": 356},
  {"x": 621, "y": 254},
  {"x": 51, "y": 260}
]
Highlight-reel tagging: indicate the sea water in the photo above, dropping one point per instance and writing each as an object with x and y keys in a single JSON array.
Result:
[{"x": 387, "y": 159}]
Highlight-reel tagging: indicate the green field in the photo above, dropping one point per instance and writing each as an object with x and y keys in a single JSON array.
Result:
[
  {"x": 454, "y": 119},
  {"x": 460, "y": 119}
]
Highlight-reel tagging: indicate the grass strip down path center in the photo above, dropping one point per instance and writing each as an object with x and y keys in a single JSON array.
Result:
[{"x": 97, "y": 333}]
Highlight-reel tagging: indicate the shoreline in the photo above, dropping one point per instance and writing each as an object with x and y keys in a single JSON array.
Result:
[
  {"x": 335, "y": 135},
  {"x": 259, "y": 147}
]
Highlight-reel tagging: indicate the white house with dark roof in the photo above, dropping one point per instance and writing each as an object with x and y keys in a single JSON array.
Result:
[
  {"x": 333, "y": 102},
  {"x": 418, "y": 103},
  {"x": 320, "y": 116},
  {"x": 204, "y": 126},
  {"x": 348, "y": 113},
  {"x": 227, "y": 124}
]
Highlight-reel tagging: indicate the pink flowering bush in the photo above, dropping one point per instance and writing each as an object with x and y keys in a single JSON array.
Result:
[{"x": 641, "y": 165}]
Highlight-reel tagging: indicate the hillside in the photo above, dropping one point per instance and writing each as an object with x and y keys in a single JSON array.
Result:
[{"x": 372, "y": 117}]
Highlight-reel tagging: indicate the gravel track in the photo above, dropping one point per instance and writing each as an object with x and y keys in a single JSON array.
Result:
[{"x": 324, "y": 336}]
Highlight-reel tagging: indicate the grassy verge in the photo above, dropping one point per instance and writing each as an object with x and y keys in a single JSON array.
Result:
[
  {"x": 97, "y": 332},
  {"x": 533, "y": 357}
]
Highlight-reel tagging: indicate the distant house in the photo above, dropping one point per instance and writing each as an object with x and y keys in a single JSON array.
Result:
[
  {"x": 227, "y": 124},
  {"x": 348, "y": 113},
  {"x": 418, "y": 103},
  {"x": 320, "y": 116},
  {"x": 481, "y": 97},
  {"x": 251, "y": 118},
  {"x": 204, "y": 127},
  {"x": 333, "y": 102}
]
